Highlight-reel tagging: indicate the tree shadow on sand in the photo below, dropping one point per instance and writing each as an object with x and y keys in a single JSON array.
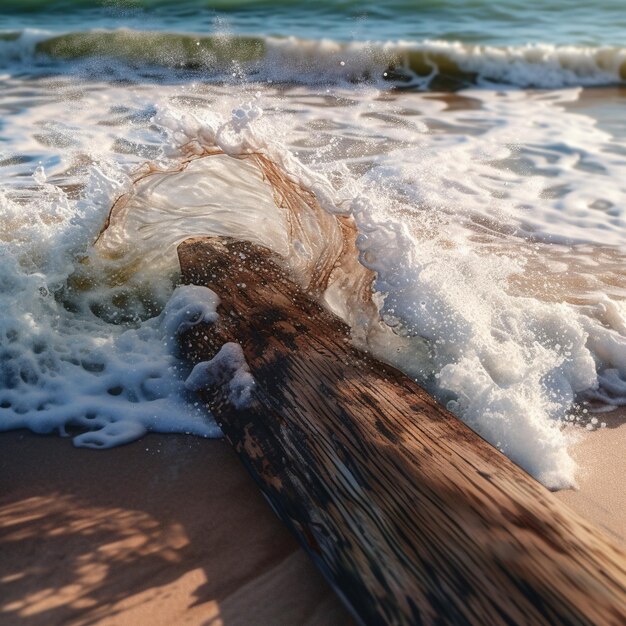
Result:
[{"x": 169, "y": 529}]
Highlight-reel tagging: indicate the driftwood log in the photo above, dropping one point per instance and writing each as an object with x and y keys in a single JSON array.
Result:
[{"x": 411, "y": 516}]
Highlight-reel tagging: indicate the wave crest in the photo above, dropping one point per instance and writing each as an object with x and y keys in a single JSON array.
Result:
[{"x": 423, "y": 65}]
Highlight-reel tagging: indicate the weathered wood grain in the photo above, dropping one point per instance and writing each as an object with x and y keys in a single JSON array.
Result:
[{"x": 412, "y": 517}]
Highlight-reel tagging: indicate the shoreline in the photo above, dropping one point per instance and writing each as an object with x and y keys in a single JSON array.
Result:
[{"x": 167, "y": 530}]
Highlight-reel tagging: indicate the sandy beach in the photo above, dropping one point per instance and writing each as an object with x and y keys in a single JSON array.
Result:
[
  {"x": 601, "y": 497},
  {"x": 168, "y": 530},
  {"x": 171, "y": 529}
]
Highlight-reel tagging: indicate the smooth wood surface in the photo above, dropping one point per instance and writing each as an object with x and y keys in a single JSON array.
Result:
[{"x": 411, "y": 516}]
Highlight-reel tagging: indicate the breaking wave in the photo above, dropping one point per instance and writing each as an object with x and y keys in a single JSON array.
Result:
[{"x": 424, "y": 65}]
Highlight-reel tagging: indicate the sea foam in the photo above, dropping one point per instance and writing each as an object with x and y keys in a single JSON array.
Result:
[
  {"x": 490, "y": 282},
  {"x": 65, "y": 369}
]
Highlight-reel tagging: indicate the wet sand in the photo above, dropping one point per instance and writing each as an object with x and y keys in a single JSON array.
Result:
[
  {"x": 601, "y": 496},
  {"x": 169, "y": 530}
]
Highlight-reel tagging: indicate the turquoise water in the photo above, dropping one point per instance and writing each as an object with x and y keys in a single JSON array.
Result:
[
  {"x": 508, "y": 22},
  {"x": 445, "y": 45}
]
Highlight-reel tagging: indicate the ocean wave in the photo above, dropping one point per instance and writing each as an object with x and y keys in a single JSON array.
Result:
[
  {"x": 425, "y": 64},
  {"x": 513, "y": 335}
]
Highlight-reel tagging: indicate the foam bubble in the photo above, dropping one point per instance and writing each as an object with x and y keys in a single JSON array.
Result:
[
  {"x": 227, "y": 368},
  {"x": 188, "y": 306}
]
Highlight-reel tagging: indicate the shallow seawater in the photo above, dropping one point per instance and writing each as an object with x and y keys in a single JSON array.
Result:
[{"x": 481, "y": 175}]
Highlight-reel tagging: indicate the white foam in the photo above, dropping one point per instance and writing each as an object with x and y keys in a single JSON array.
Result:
[
  {"x": 456, "y": 210},
  {"x": 69, "y": 370},
  {"x": 532, "y": 65},
  {"x": 510, "y": 365},
  {"x": 537, "y": 65},
  {"x": 227, "y": 368},
  {"x": 188, "y": 306}
]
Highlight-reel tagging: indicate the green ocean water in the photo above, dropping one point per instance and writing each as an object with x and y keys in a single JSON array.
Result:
[
  {"x": 508, "y": 22},
  {"x": 444, "y": 44}
]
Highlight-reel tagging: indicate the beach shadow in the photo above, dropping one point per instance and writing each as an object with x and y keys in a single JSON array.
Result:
[{"x": 166, "y": 528}]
